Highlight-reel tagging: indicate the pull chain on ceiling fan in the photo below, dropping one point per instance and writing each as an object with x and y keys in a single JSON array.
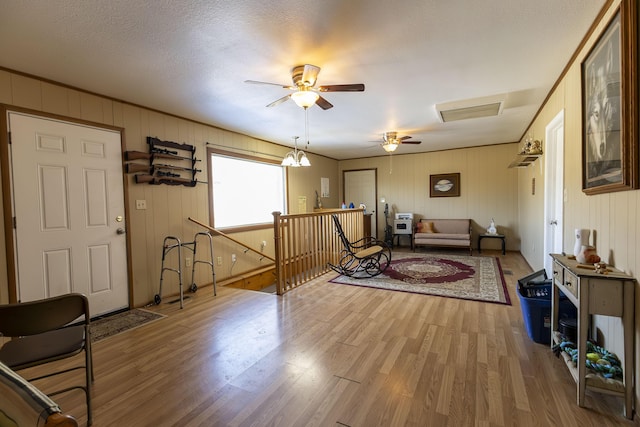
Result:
[{"x": 306, "y": 93}]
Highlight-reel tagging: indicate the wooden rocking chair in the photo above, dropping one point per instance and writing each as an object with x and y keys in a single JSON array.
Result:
[{"x": 366, "y": 257}]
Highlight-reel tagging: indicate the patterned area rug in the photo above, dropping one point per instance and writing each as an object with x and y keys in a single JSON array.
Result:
[
  {"x": 477, "y": 278},
  {"x": 117, "y": 323}
]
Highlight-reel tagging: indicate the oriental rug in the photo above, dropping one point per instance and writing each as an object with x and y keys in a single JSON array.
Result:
[
  {"x": 477, "y": 278},
  {"x": 116, "y": 323}
]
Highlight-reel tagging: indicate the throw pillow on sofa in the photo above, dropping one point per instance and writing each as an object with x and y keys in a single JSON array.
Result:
[{"x": 425, "y": 227}]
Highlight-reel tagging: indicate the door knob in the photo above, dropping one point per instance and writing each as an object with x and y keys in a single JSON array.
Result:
[{"x": 120, "y": 231}]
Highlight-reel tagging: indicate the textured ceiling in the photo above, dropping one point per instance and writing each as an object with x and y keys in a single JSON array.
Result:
[{"x": 191, "y": 58}]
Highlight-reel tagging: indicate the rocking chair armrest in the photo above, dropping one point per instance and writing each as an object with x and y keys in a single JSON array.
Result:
[
  {"x": 368, "y": 241},
  {"x": 364, "y": 242}
]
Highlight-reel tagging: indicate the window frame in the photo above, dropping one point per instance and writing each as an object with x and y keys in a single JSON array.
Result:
[{"x": 234, "y": 155}]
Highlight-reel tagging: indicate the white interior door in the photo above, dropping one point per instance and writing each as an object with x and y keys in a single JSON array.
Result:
[
  {"x": 69, "y": 211},
  {"x": 360, "y": 187},
  {"x": 553, "y": 190}
]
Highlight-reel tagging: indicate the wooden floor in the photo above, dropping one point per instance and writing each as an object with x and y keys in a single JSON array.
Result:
[{"x": 336, "y": 355}]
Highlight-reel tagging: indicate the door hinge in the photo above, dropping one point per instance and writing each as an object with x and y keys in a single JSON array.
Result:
[
  {"x": 9, "y": 137},
  {"x": 14, "y": 223}
]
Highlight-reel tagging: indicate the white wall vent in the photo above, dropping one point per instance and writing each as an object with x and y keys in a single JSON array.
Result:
[{"x": 470, "y": 109}]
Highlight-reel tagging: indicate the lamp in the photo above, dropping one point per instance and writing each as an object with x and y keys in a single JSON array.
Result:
[
  {"x": 295, "y": 158},
  {"x": 304, "y": 97},
  {"x": 390, "y": 146}
]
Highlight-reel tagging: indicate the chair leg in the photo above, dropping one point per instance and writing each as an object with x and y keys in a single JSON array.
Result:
[
  {"x": 89, "y": 355},
  {"x": 89, "y": 381}
]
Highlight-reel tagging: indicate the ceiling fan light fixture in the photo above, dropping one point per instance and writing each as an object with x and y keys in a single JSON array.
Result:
[
  {"x": 304, "y": 98},
  {"x": 390, "y": 147}
]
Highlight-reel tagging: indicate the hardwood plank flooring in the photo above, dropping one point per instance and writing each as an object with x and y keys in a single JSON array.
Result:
[{"x": 335, "y": 355}]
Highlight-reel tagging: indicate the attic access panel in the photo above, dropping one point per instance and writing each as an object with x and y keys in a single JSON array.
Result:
[{"x": 470, "y": 109}]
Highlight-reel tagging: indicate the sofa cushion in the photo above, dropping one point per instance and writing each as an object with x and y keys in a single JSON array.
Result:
[
  {"x": 442, "y": 242},
  {"x": 441, "y": 236}
]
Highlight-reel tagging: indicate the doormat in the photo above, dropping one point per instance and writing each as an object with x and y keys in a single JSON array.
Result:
[
  {"x": 475, "y": 278},
  {"x": 114, "y": 324}
]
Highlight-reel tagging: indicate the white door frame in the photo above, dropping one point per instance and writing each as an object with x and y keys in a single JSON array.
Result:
[
  {"x": 8, "y": 204},
  {"x": 553, "y": 189}
]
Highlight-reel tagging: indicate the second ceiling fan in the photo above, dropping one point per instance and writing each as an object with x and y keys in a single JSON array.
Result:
[
  {"x": 391, "y": 140},
  {"x": 305, "y": 91}
]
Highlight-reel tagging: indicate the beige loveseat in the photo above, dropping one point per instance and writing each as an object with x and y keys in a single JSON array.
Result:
[{"x": 443, "y": 232}]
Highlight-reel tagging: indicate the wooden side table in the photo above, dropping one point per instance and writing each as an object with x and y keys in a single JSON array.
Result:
[
  {"x": 612, "y": 294},
  {"x": 502, "y": 237}
]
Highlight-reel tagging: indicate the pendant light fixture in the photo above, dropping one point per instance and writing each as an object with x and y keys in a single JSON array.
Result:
[{"x": 295, "y": 158}]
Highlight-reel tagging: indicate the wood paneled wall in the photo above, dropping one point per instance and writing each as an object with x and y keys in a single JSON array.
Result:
[
  {"x": 612, "y": 217},
  {"x": 488, "y": 189},
  {"x": 168, "y": 207}
]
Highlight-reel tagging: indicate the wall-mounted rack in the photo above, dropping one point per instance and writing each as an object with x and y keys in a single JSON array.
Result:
[
  {"x": 167, "y": 163},
  {"x": 524, "y": 160},
  {"x": 530, "y": 152}
]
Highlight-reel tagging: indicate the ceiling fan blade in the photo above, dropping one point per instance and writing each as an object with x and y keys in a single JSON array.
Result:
[
  {"x": 323, "y": 103},
  {"x": 255, "y": 82},
  {"x": 402, "y": 138},
  {"x": 358, "y": 87},
  {"x": 411, "y": 142},
  {"x": 279, "y": 101}
]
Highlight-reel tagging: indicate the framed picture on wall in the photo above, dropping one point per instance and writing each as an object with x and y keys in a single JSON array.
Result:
[
  {"x": 444, "y": 185},
  {"x": 609, "y": 107}
]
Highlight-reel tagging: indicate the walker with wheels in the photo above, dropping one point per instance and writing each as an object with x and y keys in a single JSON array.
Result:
[{"x": 170, "y": 243}]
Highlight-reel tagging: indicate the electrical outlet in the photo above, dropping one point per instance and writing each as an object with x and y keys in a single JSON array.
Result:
[
  {"x": 219, "y": 260},
  {"x": 141, "y": 204},
  {"x": 187, "y": 262},
  {"x": 233, "y": 257}
]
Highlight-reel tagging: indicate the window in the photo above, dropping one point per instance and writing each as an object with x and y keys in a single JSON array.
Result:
[{"x": 244, "y": 190}]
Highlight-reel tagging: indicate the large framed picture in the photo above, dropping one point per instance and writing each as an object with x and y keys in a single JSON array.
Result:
[
  {"x": 444, "y": 185},
  {"x": 609, "y": 110}
]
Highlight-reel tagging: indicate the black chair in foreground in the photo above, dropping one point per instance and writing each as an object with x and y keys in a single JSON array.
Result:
[
  {"x": 366, "y": 257},
  {"x": 41, "y": 333}
]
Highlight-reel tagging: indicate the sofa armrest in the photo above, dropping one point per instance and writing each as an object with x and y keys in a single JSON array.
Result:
[{"x": 22, "y": 403}]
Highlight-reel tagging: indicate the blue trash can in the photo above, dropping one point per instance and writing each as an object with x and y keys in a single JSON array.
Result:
[{"x": 534, "y": 292}]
